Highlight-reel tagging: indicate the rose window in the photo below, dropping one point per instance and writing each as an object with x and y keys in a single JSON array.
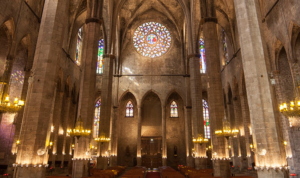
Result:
[{"x": 152, "y": 39}]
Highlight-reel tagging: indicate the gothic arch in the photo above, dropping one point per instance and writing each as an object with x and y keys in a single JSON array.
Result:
[
  {"x": 185, "y": 9},
  {"x": 152, "y": 91},
  {"x": 131, "y": 92},
  {"x": 174, "y": 91}
]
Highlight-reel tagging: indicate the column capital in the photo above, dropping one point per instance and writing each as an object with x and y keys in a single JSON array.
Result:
[
  {"x": 95, "y": 20},
  {"x": 194, "y": 55},
  {"x": 209, "y": 19},
  {"x": 111, "y": 56}
]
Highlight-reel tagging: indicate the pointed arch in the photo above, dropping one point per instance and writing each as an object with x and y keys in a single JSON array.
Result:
[
  {"x": 129, "y": 109},
  {"x": 130, "y": 92},
  {"x": 152, "y": 91},
  {"x": 97, "y": 113}
]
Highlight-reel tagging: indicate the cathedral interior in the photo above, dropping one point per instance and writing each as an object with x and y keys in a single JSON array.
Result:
[{"x": 149, "y": 88}]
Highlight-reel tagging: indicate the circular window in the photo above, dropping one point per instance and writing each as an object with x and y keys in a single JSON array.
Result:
[{"x": 152, "y": 39}]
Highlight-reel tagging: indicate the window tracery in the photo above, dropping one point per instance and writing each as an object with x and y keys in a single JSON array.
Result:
[
  {"x": 129, "y": 109},
  {"x": 174, "y": 109},
  {"x": 79, "y": 47},
  {"x": 97, "y": 118},
  {"x": 152, "y": 39}
]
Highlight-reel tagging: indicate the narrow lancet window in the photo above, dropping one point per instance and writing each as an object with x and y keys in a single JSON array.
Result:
[
  {"x": 129, "y": 109},
  {"x": 174, "y": 109},
  {"x": 206, "y": 119},
  {"x": 100, "y": 57},
  {"x": 97, "y": 118}
]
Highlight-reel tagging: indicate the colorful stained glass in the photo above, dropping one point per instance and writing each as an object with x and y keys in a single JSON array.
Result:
[
  {"x": 129, "y": 109},
  {"x": 78, "y": 47},
  {"x": 206, "y": 119},
  {"x": 152, "y": 39},
  {"x": 225, "y": 47},
  {"x": 97, "y": 118},
  {"x": 17, "y": 77},
  {"x": 202, "y": 56},
  {"x": 100, "y": 57},
  {"x": 174, "y": 109}
]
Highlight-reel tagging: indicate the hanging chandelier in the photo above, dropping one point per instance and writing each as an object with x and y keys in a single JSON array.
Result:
[
  {"x": 5, "y": 105},
  {"x": 227, "y": 131},
  {"x": 102, "y": 139},
  {"x": 200, "y": 140},
  {"x": 79, "y": 131},
  {"x": 290, "y": 110}
]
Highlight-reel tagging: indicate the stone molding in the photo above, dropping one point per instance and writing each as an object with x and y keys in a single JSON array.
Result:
[
  {"x": 209, "y": 19},
  {"x": 194, "y": 55},
  {"x": 111, "y": 56},
  {"x": 95, "y": 20}
]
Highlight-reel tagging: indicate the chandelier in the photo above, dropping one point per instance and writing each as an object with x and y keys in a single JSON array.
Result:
[
  {"x": 102, "y": 139},
  {"x": 5, "y": 105},
  {"x": 200, "y": 139},
  {"x": 79, "y": 131},
  {"x": 227, "y": 131},
  {"x": 290, "y": 110}
]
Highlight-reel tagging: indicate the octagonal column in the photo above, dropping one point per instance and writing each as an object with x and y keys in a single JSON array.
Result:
[{"x": 267, "y": 139}]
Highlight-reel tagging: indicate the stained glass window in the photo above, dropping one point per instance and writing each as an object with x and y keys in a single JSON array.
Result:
[
  {"x": 174, "y": 109},
  {"x": 17, "y": 77},
  {"x": 78, "y": 47},
  {"x": 225, "y": 47},
  {"x": 97, "y": 118},
  {"x": 129, "y": 109},
  {"x": 152, "y": 39},
  {"x": 202, "y": 57},
  {"x": 206, "y": 119},
  {"x": 100, "y": 57}
]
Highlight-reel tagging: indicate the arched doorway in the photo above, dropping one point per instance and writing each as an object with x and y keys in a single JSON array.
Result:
[{"x": 151, "y": 147}]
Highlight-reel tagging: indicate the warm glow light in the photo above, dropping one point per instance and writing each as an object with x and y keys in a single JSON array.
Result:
[
  {"x": 52, "y": 128},
  {"x": 285, "y": 143}
]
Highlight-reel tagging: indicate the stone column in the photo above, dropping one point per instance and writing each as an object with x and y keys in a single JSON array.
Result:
[
  {"x": 114, "y": 137},
  {"x": 188, "y": 136},
  {"x": 106, "y": 106},
  {"x": 233, "y": 140},
  {"x": 266, "y": 134},
  {"x": 139, "y": 138},
  {"x": 197, "y": 111},
  {"x": 246, "y": 126},
  {"x": 242, "y": 156},
  {"x": 215, "y": 97},
  {"x": 87, "y": 88},
  {"x": 164, "y": 135},
  {"x": 56, "y": 122},
  {"x": 65, "y": 153},
  {"x": 215, "y": 92},
  {"x": 36, "y": 126}
]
